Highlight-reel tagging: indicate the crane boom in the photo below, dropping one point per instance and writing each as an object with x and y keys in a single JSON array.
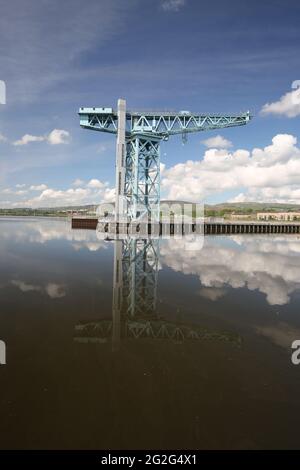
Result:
[{"x": 161, "y": 124}]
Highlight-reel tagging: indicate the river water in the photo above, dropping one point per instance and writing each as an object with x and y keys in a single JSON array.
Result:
[{"x": 154, "y": 344}]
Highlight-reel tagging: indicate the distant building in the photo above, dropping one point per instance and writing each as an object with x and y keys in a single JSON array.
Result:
[
  {"x": 283, "y": 216},
  {"x": 241, "y": 216}
]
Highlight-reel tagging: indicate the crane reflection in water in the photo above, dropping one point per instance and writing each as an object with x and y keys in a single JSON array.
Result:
[{"x": 134, "y": 304}]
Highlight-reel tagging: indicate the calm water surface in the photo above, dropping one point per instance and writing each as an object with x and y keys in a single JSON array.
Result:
[{"x": 139, "y": 344}]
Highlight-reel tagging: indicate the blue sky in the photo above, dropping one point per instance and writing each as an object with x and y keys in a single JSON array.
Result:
[{"x": 221, "y": 56}]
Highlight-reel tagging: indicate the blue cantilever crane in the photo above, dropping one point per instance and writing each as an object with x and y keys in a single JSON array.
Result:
[{"x": 139, "y": 134}]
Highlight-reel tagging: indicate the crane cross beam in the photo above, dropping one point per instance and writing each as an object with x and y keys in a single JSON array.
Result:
[{"x": 158, "y": 124}]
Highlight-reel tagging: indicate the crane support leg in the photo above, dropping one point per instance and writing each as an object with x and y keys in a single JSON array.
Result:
[
  {"x": 120, "y": 210},
  {"x": 142, "y": 178},
  {"x": 135, "y": 277}
]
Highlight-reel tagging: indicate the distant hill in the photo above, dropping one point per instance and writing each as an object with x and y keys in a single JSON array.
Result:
[
  {"x": 221, "y": 209},
  {"x": 251, "y": 207},
  {"x": 254, "y": 205}
]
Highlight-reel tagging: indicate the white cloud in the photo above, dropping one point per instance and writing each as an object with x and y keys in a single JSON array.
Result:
[
  {"x": 55, "y": 137},
  {"x": 25, "y": 287},
  {"x": 212, "y": 293},
  {"x": 39, "y": 187},
  {"x": 58, "y": 136},
  {"x": 20, "y": 186},
  {"x": 241, "y": 197},
  {"x": 17, "y": 192},
  {"x": 270, "y": 266},
  {"x": 21, "y": 192},
  {"x": 217, "y": 142},
  {"x": 269, "y": 174},
  {"x": 109, "y": 195},
  {"x": 54, "y": 291},
  {"x": 172, "y": 5},
  {"x": 2, "y": 138},
  {"x": 282, "y": 334},
  {"x": 27, "y": 138},
  {"x": 95, "y": 193},
  {"x": 7, "y": 191},
  {"x": 78, "y": 182},
  {"x": 288, "y": 105},
  {"x": 94, "y": 183},
  {"x": 50, "y": 197},
  {"x": 42, "y": 232}
]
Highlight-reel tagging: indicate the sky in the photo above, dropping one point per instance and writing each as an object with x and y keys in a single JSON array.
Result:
[{"x": 220, "y": 57}]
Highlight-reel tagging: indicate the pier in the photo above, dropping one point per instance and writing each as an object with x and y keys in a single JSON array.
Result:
[
  {"x": 250, "y": 228},
  {"x": 173, "y": 228},
  {"x": 85, "y": 222}
]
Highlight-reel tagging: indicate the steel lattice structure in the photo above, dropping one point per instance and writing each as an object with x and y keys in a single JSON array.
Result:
[
  {"x": 142, "y": 178},
  {"x": 139, "y": 134},
  {"x": 135, "y": 276},
  {"x": 135, "y": 281},
  {"x": 134, "y": 312}
]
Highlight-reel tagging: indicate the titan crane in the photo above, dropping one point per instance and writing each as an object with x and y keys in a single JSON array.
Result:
[{"x": 139, "y": 134}]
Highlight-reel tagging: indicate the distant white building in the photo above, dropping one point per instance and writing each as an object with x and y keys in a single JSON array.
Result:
[
  {"x": 241, "y": 216},
  {"x": 283, "y": 216}
]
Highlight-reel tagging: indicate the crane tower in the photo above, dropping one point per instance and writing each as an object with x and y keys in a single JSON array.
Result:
[{"x": 139, "y": 134}]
